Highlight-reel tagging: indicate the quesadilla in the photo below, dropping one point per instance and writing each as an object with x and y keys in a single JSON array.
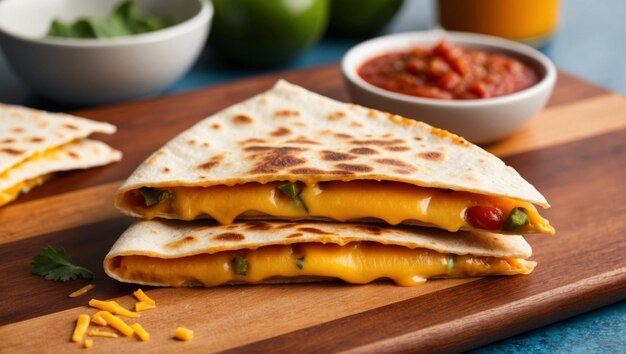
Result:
[
  {"x": 291, "y": 154},
  {"x": 203, "y": 253},
  {"x": 36, "y": 144}
]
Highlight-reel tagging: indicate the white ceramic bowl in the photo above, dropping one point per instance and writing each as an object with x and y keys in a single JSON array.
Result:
[
  {"x": 96, "y": 71},
  {"x": 480, "y": 121}
]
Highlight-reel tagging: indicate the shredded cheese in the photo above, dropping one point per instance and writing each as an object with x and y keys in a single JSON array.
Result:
[
  {"x": 183, "y": 334},
  {"x": 88, "y": 343},
  {"x": 82, "y": 290},
  {"x": 140, "y": 332},
  {"x": 81, "y": 327},
  {"x": 98, "y": 319},
  {"x": 118, "y": 324},
  {"x": 98, "y": 333},
  {"x": 143, "y": 306},
  {"x": 142, "y": 297},
  {"x": 112, "y": 307}
]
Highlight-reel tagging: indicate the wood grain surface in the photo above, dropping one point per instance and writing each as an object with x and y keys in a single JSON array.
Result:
[{"x": 574, "y": 152}]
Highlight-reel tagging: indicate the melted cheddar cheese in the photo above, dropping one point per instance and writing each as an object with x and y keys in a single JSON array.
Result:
[
  {"x": 357, "y": 263},
  {"x": 10, "y": 194},
  {"x": 392, "y": 202}
]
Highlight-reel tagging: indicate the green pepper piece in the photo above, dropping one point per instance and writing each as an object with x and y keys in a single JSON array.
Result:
[
  {"x": 300, "y": 262},
  {"x": 152, "y": 196},
  {"x": 451, "y": 261},
  {"x": 516, "y": 219},
  {"x": 293, "y": 191},
  {"x": 241, "y": 265}
]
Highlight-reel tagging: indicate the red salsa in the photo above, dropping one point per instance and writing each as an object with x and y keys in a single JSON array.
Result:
[{"x": 448, "y": 71}]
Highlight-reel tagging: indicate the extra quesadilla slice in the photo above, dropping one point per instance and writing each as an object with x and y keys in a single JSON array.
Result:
[
  {"x": 35, "y": 144},
  {"x": 202, "y": 253},
  {"x": 292, "y": 154}
]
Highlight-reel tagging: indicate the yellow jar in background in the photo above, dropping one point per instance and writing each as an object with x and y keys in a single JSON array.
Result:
[{"x": 529, "y": 21}]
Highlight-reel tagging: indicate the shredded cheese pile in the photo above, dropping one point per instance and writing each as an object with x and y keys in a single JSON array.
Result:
[{"x": 108, "y": 316}]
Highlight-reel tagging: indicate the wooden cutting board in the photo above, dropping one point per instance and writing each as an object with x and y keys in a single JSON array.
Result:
[{"x": 574, "y": 152}]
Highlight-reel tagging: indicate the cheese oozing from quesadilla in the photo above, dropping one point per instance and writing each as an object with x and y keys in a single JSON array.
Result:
[
  {"x": 356, "y": 263},
  {"x": 358, "y": 200}
]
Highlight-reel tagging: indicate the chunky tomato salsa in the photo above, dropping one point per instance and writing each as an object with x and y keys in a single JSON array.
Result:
[{"x": 448, "y": 71}]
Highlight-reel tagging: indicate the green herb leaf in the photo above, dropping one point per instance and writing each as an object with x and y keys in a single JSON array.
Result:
[
  {"x": 293, "y": 191},
  {"x": 300, "y": 262},
  {"x": 451, "y": 261},
  {"x": 241, "y": 265},
  {"x": 152, "y": 196},
  {"x": 516, "y": 219},
  {"x": 127, "y": 19},
  {"x": 54, "y": 264}
]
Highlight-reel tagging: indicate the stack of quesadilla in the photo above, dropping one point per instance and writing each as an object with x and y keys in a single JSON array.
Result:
[
  {"x": 35, "y": 144},
  {"x": 293, "y": 186}
]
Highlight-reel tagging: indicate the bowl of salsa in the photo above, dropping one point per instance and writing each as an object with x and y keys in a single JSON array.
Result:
[{"x": 481, "y": 87}]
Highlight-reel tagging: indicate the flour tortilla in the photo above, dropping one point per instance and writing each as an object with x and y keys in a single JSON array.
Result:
[
  {"x": 80, "y": 154},
  {"x": 291, "y": 134},
  {"x": 26, "y": 131},
  {"x": 170, "y": 239}
]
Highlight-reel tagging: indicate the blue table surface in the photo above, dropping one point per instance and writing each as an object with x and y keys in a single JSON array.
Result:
[{"x": 590, "y": 43}]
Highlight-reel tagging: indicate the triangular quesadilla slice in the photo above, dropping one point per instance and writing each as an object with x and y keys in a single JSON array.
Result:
[
  {"x": 292, "y": 154},
  {"x": 202, "y": 253},
  {"x": 35, "y": 144}
]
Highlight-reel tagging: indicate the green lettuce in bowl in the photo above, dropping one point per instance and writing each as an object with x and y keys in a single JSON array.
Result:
[{"x": 126, "y": 20}]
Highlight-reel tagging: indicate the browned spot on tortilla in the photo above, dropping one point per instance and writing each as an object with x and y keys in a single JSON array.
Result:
[
  {"x": 481, "y": 161},
  {"x": 258, "y": 225},
  {"x": 70, "y": 126},
  {"x": 215, "y": 126},
  {"x": 302, "y": 140},
  {"x": 431, "y": 155},
  {"x": 397, "y": 148},
  {"x": 388, "y": 135},
  {"x": 356, "y": 124},
  {"x": 286, "y": 226},
  {"x": 364, "y": 151},
  {"x": 7, "y": 141},
  {"x": 73, "y": 154},
  {"x": 214, "y": 161},
  {"x": 294, "y": 235},
  {"x": 393, "y": 162},
  {"x": 18, "y": 130},
  {"x": 192, "y": 142},
  {"x": 232, "y": 227},
  {"x": 206, "y": 145},
  {"x": 242, "y": 119},
  {"x": 372, "y": 113},
  {"x": 37, "y": 139},
  {"x": 252, "y": 140},
  {"x": 337, "y": 115},
  {"x": 403, "y": 172},
  {"x": 182, "y": 242},
  {"x": 155, "y": 157},
  {"x": 229, "y": 236},
  {"x": 340, "y": 172},
  {"x": 286, "y": 113},
  {"x": 418, "y": 138},
  {"x": 273, "y": 159},
  {"x": 354, "y": 167},
  {"x": 343, "y": 136},
  {"x": 282, "y": 131},
  {"x": 11, "y": 151},
  {"x": 313, "y": 230},
  {"x": 300, "y": 124},
  {"x": 377, "y": 142},
  {"x": 166, "y": 169},
  {"x": 307, "y": 171},
  {"x": 336, "y": 156},
  {"x": 446, "y": 134},
  {"x": 372, "y": 229}
]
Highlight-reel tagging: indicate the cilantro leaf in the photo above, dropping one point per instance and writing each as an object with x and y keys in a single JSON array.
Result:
[{"x": 54, "y": 264}]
